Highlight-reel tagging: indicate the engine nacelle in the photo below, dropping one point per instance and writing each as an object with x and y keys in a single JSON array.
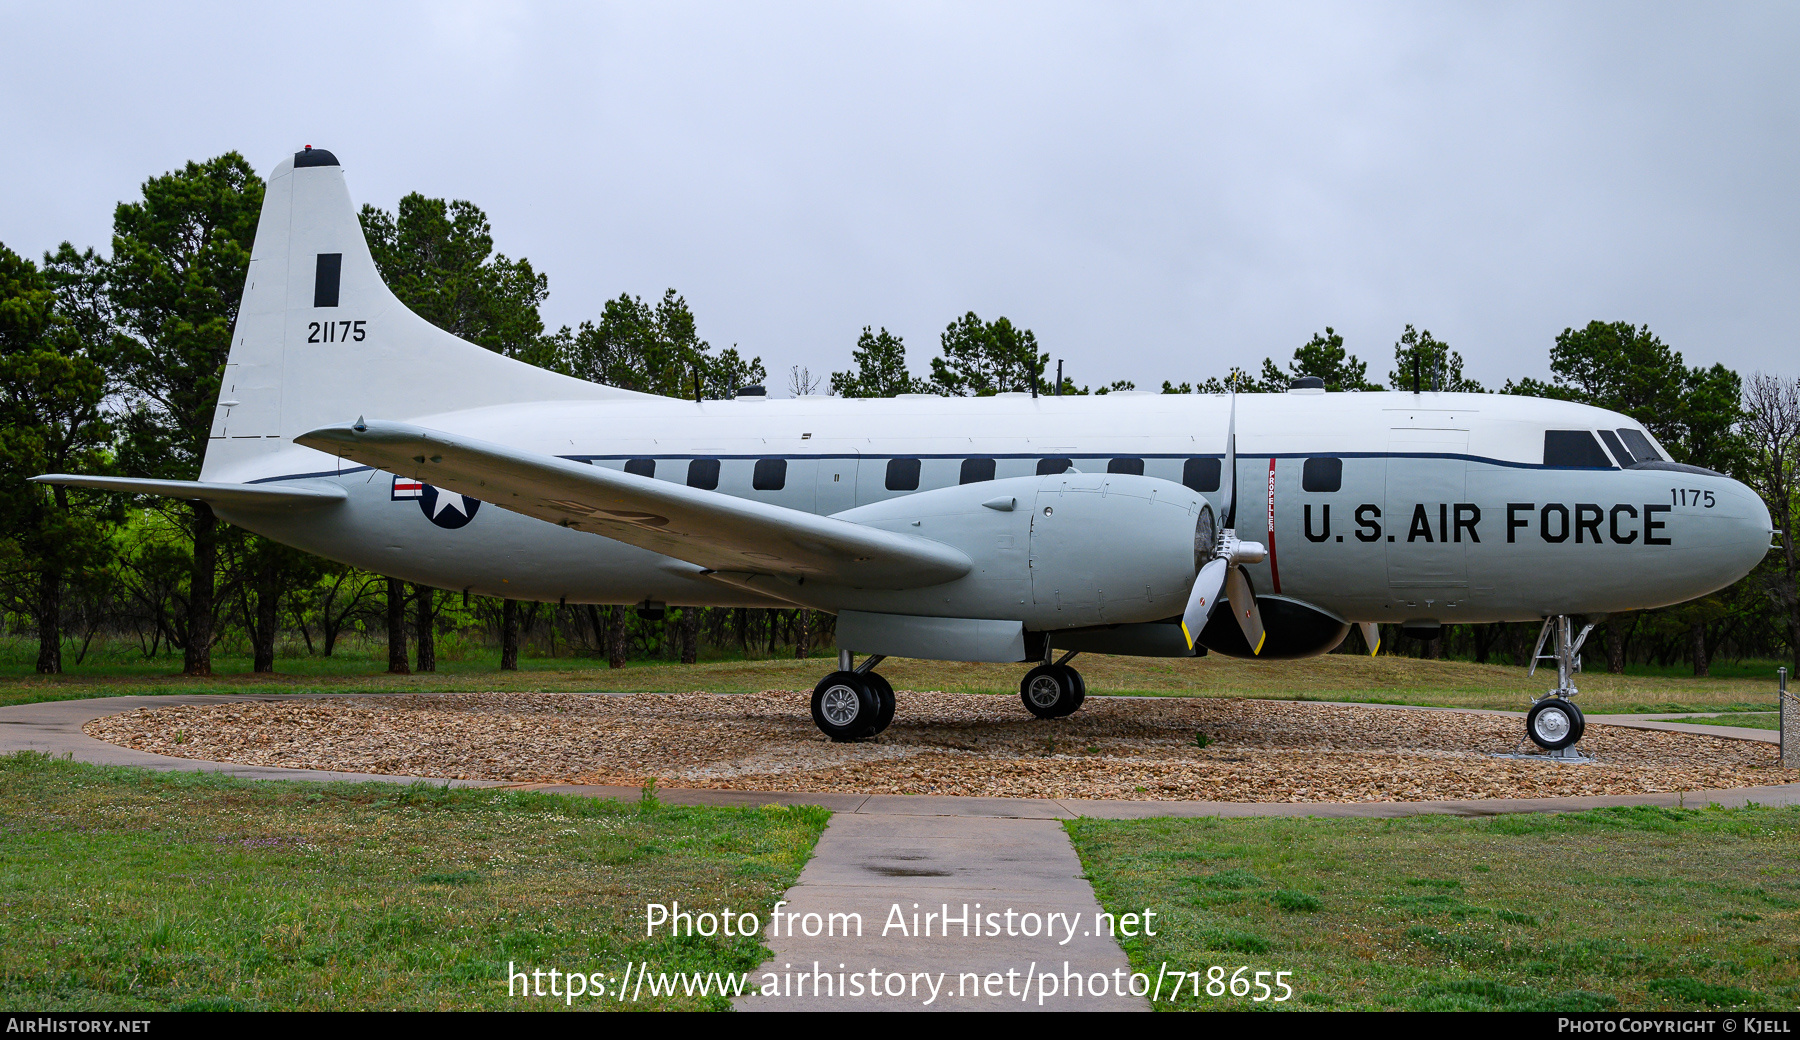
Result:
[
  {"x": 1066, "y": 550},
  {"x": 1292, "y": 629}
]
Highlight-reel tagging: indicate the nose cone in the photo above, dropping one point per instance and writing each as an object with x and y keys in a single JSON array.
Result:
[{"x": 1736, "y": 528}]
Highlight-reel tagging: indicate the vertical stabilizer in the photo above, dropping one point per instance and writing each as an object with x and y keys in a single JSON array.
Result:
[{"x": 320, "y": 339}]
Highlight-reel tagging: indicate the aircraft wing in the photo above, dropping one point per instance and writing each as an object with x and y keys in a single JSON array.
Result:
[
  {"x": 714, "y": 531},
  {"x": 237, "y": 496}
]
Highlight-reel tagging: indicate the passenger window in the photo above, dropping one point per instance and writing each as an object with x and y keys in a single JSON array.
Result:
[
  {"x": 1618, "y": 450},
  {"x": 1048, "y": 467},
  {"x": 1640, "y": 446},
  {"x": 974, "y": 471},
  {"x": 903, "y": 475},
  {"x": 1201, "y": 474},
  {"x": 1574, "y": 448},
  {"x": 704, "y": 474},
  {"x": 1135, "y": 467},
  {"x": 642, "y": 467},
  {"x": 770, "y": 475},
  {"x": 1322, "y": 475}
]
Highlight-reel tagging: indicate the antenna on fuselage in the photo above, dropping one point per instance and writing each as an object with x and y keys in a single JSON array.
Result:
[
  {"x": 696, "y": 384},
  {"x": 1059, "y": 377},
  {"x": 1415, "y": 373}
]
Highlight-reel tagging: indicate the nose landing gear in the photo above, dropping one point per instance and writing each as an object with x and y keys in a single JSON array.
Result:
[
  {"x": 1554, "y": 723},
  {"x": 853, "y": 703}
]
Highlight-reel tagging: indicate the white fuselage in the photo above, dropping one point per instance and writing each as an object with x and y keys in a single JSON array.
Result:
[{"x": 1443, "y": 508}]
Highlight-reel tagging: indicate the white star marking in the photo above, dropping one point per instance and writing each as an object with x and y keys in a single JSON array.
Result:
[{"x": 449, "y": 500}]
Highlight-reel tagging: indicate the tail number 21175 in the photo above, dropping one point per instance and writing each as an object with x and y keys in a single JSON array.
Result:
[{"x": 335, "y": 331}]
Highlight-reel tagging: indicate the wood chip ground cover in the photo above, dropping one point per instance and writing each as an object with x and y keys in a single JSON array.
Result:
[{"x": 942, "y": 743}]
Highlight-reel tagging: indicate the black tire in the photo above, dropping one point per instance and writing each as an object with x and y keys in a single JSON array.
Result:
[
  {"x": 1580, "y": 722},
  {"x": 1554, "y": 724},
  {"x": 1048, "y": 691},
  {"x": 1080, "y": 688},
  {"x": 884, "y": 695},
  {"x": 845, "y": 707}
]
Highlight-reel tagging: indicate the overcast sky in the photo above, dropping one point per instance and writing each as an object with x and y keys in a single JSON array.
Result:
[{"x": 1158, "y": 191}]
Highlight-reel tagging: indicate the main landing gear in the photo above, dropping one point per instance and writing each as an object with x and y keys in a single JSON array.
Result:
[
  {"x": 1554, "y": 723},
  {"x": 853, "y": 703},
  {"x": 1051, "y": 691}
]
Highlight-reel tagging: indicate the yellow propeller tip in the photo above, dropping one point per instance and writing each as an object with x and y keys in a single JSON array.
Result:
[
  {"x": 1260, "y": 640},
  {"x": 1189, "y": 636}
]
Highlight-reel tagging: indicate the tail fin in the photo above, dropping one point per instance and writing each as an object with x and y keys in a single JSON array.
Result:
[{"x": 320, "y": 338}]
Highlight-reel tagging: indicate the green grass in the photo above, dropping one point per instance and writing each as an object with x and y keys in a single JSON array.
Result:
[
  {"x": 1389, "y": 679},
  {"x": 1630, "y": 909},
  {"x": 126, "y": 889},
  {"x": 1771, "y": 720}
]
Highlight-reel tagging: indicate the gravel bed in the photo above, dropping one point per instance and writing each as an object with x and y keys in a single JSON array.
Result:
[{"x": 942, "y": 743}]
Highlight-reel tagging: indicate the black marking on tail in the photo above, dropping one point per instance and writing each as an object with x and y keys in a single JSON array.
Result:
[{"x": 325, "y": 280}]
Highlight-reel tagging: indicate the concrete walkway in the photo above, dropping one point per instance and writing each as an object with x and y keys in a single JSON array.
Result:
[
  {"x": 1666, "y": 722},
  {"x": 1025, "y": 932},
  {"x": 1656, "y": 721}
]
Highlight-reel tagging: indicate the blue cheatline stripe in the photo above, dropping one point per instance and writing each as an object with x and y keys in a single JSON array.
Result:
[{"x": 1075, "y": 457}]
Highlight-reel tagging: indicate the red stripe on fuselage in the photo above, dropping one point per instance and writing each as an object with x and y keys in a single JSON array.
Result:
[{"x": 1274, "y": 574}]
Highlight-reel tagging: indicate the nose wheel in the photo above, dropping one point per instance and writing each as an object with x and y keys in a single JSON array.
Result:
[
  {"x": 1051, "y": 691},
  {"x": 1554, "y": 723},
  {"x": 853, "y": 703}
]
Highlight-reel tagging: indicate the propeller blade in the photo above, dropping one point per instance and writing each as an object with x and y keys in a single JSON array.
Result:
[
  {"x": 1243, "y": 606},
  {"x": 1202, "y": 599},
  {"x": 1372, "y": 637},
  {"x": 1230, "y": 467}
]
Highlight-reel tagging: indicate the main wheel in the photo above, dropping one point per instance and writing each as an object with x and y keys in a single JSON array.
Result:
[
  {"x": 1051, "y": 691},
  {"x": 1554, "y": 724},
  {"x": 1080, "y": 687},
  {"x": 845, "y": 707},
  {"x": 884, "y": 700}
]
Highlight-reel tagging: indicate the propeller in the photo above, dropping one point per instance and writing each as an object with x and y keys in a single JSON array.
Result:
[
  {"x": 1371, "y": 637},
  {"x": 1225, "y": 571}
]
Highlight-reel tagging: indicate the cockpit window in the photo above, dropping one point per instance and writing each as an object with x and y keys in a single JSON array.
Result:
[
  {"x": 1618, "y": 449},
  {"x": 1640, "y": 446},
  {"x": 1574, "y": 448}
]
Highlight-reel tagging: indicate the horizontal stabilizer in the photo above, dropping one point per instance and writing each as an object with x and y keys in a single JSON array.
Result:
[
  {"x": 235, "y": 496},
  {"x": 706, "y": 528}
]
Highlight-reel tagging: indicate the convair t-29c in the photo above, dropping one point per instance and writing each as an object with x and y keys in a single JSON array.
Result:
[{"x": 1008, "y": 528}]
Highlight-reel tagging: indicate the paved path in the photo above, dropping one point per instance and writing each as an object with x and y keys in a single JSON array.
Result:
[
  {"x": 884, "y": 874},
  {"x": 1656, "y": 721}
]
